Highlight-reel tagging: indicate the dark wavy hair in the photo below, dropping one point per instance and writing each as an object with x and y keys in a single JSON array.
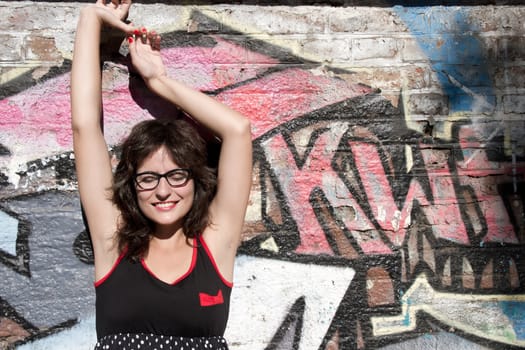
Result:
[{"x": 188, "y": 149}]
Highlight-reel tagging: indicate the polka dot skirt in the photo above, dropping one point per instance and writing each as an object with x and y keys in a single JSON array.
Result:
[{"x": 159, "y": 342}]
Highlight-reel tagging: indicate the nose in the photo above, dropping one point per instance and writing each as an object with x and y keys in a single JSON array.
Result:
[{"x": 163, "y": 189}]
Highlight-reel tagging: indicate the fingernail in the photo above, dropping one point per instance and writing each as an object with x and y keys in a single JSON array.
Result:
[
  {"x": 137, "y": 32},
  {"x": 144, "y": 30},
  {"x": 130, "y": 40}
]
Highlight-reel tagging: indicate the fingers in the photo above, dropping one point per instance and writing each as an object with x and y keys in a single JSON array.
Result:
[
  {"x": 146, "y": 38},
  {"x": 139, "y": 35},
  {"x": 117, "y": 3},
  {"x": 114, "y": 13},
  {"x": 125, "y": 5},
  {"x": 154, "y": 40},
  {"x": 144, "y": 35}
]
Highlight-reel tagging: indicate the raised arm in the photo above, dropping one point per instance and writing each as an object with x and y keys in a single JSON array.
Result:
[
  {"x": 235, "y": 163},
  {"x": 91, "y": 155}
]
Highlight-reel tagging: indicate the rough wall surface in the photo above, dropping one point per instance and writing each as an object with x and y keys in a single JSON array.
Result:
[{"x": 387, "y": 209}]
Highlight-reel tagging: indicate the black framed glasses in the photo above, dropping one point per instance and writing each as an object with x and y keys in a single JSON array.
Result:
[{"x": 149, "y": 180}]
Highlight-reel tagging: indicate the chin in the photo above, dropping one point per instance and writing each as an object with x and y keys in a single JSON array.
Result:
[{"x": 166, "y": 219}]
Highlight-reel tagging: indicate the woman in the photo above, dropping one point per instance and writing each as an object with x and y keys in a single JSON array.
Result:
[{"x": 165, "y": 231}]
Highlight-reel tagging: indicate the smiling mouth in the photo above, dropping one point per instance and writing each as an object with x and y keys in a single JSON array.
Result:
[{"x": 165, "y": 205}]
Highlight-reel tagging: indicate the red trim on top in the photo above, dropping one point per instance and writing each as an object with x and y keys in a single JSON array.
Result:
[
  {"x": 106, "y": 276},
  {"x": 190, "y": 269},
  {"x": 208, "y": 251}
]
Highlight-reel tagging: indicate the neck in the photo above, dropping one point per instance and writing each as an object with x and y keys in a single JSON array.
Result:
[
  {"x": 167, "y": 240},
  {"x": 166, "y": 232}
]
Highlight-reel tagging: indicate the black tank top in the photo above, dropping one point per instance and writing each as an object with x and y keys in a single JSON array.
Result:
[{"x": 130, "y": 299}]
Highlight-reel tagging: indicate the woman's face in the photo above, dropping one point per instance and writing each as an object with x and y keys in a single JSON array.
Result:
[{"x": 165, "y": 205}]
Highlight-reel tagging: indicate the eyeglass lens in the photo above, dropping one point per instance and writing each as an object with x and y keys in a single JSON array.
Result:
[{"x": 150, "y": 180}]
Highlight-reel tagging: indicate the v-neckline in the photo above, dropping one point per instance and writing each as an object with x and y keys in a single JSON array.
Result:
[{"x": 183, "y": 276}]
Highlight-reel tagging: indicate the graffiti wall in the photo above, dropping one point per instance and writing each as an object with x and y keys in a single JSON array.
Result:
[{"x": 387, "y": 208}]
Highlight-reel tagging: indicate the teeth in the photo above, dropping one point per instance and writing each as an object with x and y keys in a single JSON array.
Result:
[{"x": 164, "y": 205}]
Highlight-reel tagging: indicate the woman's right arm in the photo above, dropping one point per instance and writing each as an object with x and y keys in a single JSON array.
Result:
[{"x": 92, "y": 160}]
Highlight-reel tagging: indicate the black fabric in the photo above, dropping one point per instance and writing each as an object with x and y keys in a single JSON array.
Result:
[{"x": 133, "y": 301}]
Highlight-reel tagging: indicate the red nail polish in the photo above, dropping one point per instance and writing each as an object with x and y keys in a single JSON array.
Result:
[
  {"x": 130, "y": 39},
  {"x": 144, "y": 30},
  {"x": 137, "y": 32}
]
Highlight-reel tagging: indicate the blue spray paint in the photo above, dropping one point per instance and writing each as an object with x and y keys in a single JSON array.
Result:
[
  {"x": 515, "y": 311},
  {"x": 456, "y": 54}
]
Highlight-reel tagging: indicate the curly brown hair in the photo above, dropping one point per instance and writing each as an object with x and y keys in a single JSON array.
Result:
[{"x": 188, "y": 149}]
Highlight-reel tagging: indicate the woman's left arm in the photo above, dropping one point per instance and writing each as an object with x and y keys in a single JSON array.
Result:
[
  {"x": 228, "y": 208},
  {"x": 234, "y": 178}
]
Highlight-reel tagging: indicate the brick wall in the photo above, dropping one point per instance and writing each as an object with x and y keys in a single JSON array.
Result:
[{"x": 387, "y": 201}]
